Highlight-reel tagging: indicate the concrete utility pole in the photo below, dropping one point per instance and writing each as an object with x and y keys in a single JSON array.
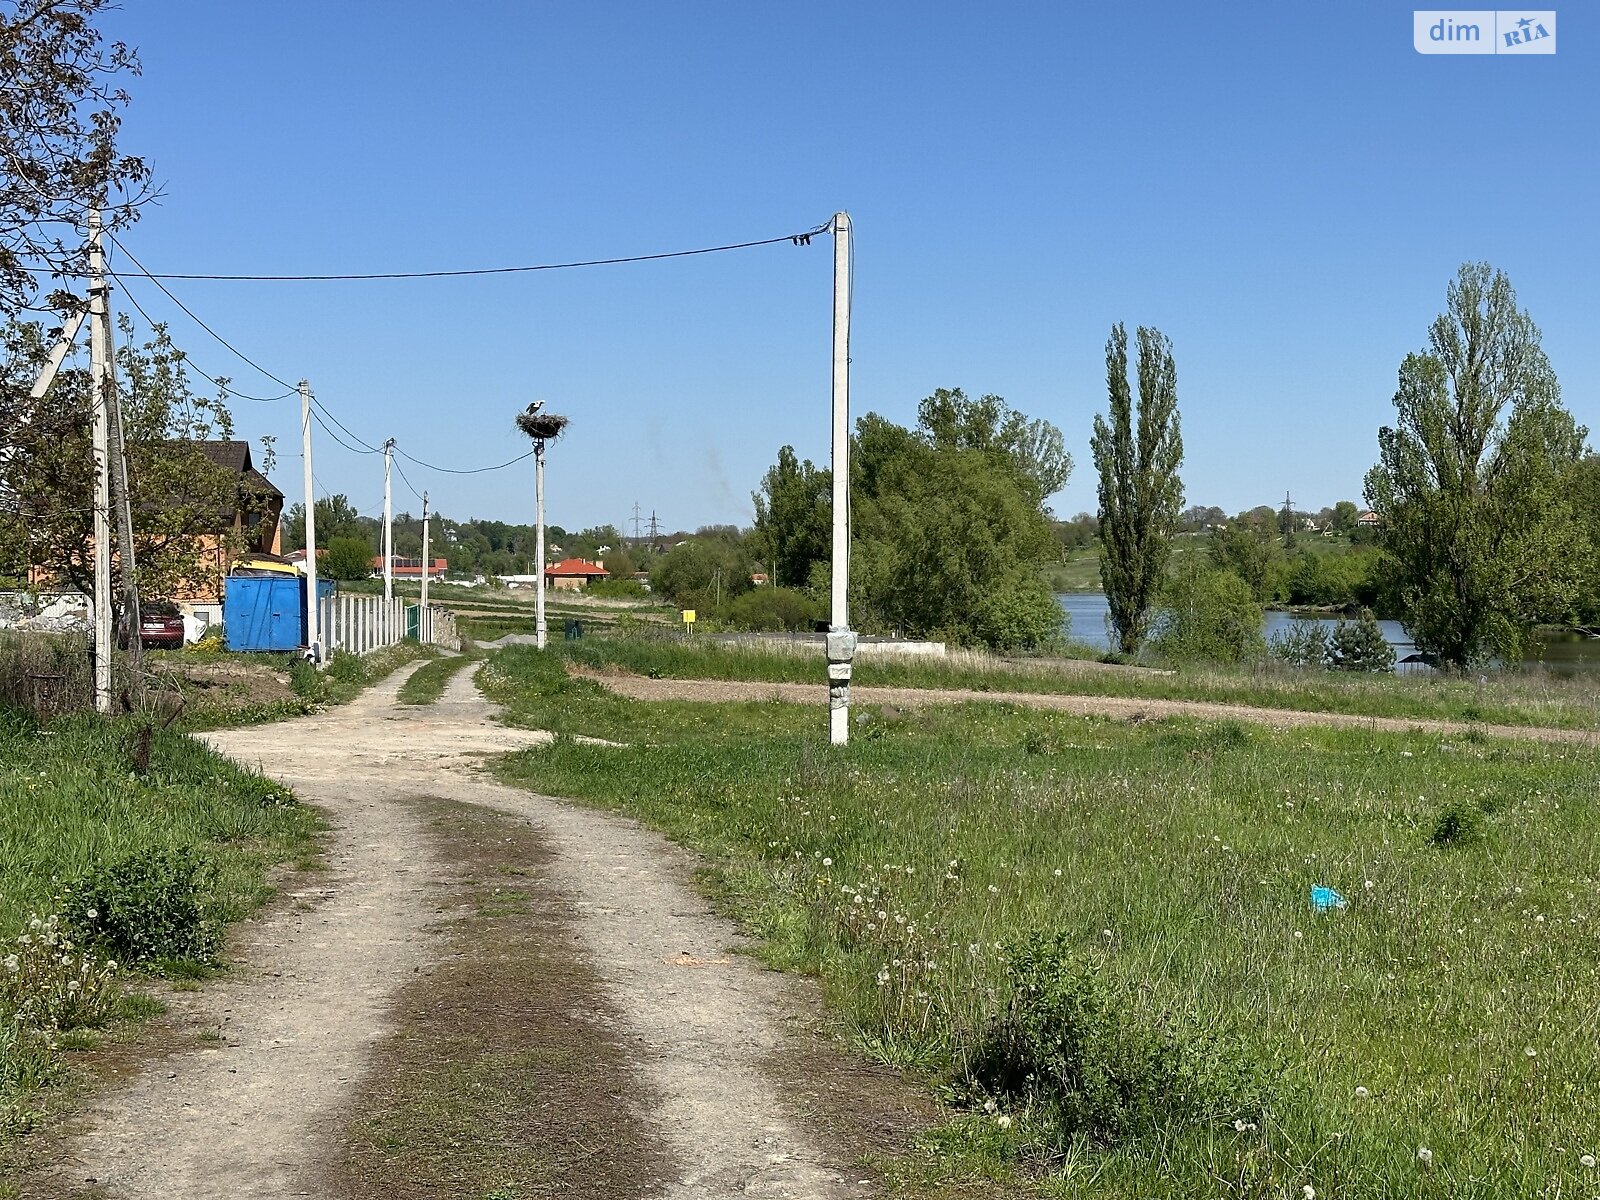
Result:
[
  {"x": 99, "y": 369},
  {"x": 388, "y": 524},
  {"x": 427, "y": 563},
  {"x": 128, "y": 566},
  {"x": 539, "y": 630},
  {"x": 841, "y": 641},
  {"x": 313, "y": 617}
]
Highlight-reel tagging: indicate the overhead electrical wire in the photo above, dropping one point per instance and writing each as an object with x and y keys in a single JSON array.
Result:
[
  {"x": 191, "y": 364},
  {"x": 243, "y": 357},
  {"x": 459, "y": 471},
  {"x": 798, "y": 239}
]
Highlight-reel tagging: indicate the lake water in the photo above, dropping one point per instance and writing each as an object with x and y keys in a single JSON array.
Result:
[{"x": 1563, "y": 654}]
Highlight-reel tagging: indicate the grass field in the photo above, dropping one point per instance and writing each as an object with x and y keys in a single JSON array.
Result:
[
  {"x": 1436, "y": 1038},
  {"x": 80, "y": 805},
  {"x": 1512, "y": 699}
]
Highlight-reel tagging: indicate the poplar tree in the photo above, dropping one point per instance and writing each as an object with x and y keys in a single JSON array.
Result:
[
  {"x": 1472, "y": 480},
  {"x": 1140, "y": 491}
]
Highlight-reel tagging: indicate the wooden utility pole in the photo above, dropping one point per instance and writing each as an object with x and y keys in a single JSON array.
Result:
[
  {"x": 100, "y": 432},
  {"x": 313, "y": 616},
  {"x": 841, "y": 641}
]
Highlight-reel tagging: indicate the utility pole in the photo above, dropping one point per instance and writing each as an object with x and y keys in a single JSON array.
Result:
[
  {"x": 427, "y": 563},
  {"x": 539, "y": 629},
  {"x": 388, "y": 524},
  {"x": 841, "y": 641},
  {"x": 99, "y": 364},
  {"x": 313, "y": 616},
  {"x": 128, "y": 566}
]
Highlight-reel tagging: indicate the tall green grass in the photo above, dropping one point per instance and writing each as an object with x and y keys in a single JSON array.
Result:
[
  {"x": 77, "y": 797},
  {"x": 1450, "y": 1007},
  {"x": 1531, "y": 698}
]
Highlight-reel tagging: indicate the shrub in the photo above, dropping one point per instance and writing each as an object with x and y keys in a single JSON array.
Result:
[
  {"x": 1091, "y": 1060},
  {"x": 1207, "y": 616},
  {"x": 152, "y": 905},
  {"x": 1303, "y": 644},
  {"x": 773, "y": 608},
  {"x": 1020, "y": 613},
  {"x": 1459, "y": 822},
  {"x": 1359, "y": 645}
]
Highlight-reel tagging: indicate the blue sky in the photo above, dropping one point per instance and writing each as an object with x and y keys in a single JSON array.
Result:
[{"x": 1284, "y": 189}]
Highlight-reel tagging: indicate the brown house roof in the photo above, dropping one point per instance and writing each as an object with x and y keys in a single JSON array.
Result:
[{"x": 234, "y": 456}]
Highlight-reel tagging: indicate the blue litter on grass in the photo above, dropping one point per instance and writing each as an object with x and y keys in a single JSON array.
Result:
[{"x": 1325, "y": 899}]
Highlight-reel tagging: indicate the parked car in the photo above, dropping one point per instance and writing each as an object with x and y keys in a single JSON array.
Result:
[{"x": 160, "y": 625}]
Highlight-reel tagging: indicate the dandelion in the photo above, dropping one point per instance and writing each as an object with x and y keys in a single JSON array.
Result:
[
  {"x": 1309, "y": 1192},
  {"x": 1587, "y": 1161},
  {"x": 93, "y": 914},
  {"x": 993, "y": 890},
  {"x": 827, "y": 862},
  {"x": 1058, "y": 872},
  {"x": 1362, "y": 1093},
  {"x": 1003, "y": 1121},
  {"x": 1106, "y": 933},
  {"x": 883, "y": 977},
  {"x": 13, "y": 964},
  {"x": 1425, "y": 1156},
  {"x": 1530, "y": 1052},
  {"x": 989, "y": 1106},
  {"x": 1298, "y": 934}
]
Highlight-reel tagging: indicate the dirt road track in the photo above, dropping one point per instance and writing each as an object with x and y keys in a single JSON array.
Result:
[
  {"x": 638, "y": 687},
  {"x": 259, "y": 1113}
]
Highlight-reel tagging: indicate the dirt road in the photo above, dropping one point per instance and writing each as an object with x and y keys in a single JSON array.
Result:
[
  {"x": 262, "y": 1110},
  {"x": 638, "y": 687}
]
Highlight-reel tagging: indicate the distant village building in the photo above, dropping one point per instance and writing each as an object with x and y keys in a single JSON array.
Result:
[
  {"x": 1369, "y": 520},
  {"x": 409, "y": 568},
  {"x": 574, "y": 574}
]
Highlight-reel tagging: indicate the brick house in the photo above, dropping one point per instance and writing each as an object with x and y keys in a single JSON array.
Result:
[{"x": 574, "y": 574}]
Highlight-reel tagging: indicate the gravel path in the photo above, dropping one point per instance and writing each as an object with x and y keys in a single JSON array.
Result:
[
  {"x": 259, "y": 1113},
  {"x": 639, "y": 687}
]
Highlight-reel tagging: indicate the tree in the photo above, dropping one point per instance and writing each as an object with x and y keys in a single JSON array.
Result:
[
  {"x": 336, "y": 518},
  {"x": 1140, "y": 492},
  {"x": 347, "y": 557},
  {"x": 703, "y": 573},
  {"x": 1251, "y": 554},
  {"x": 1359, "y": 645},
  {"x": 60, "y": 109},
  {"x": 1207, "y": 615},
  {"x": 183, "y": 504},
  {"x": 794, "y": 519},
  {"x": 1469, "y": 483},
  {"x": 1034, "y": 450},
  {"x": 1344, "y": 517}
]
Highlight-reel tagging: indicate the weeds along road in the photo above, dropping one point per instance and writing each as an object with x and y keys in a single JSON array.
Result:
[{"x": 259, "y": 1100}]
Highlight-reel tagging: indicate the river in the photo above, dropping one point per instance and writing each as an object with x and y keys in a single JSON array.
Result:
[{"x": 1565, "y": 654}]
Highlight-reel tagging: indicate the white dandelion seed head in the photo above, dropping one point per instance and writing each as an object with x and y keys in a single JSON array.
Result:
[
  {"x": 1424, "y": 1156},
  {"x": 1362, "y": 1093},
  {"x": 1586, "y": 1160}
]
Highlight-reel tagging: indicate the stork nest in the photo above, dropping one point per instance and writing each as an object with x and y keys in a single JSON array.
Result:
[{"x": 541, "y": 426}]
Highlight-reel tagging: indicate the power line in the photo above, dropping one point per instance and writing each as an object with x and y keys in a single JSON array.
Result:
[
  {"x": 328, "y": 429},
  {"x": 149, "y": 320},
  {"x": 798, "y": 239},
  {"x": 243, "y": 357},
  {"x": 366, "y": 448},
  {"x": 459, "y": 471},
  {"x": 407, "y": 481}
]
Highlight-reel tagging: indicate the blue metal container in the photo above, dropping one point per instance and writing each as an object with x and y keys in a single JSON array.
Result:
[{"x": 267, "y": 613}]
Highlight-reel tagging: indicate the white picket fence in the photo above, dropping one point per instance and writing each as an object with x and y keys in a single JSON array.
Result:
[{"x": 361, "y": 624}]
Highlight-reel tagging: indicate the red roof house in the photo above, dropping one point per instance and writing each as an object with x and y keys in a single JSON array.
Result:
[{"x": 573, "y": 574}]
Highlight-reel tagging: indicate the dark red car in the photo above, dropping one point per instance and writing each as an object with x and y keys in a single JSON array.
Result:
[{"x": 161, "y": 625}]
